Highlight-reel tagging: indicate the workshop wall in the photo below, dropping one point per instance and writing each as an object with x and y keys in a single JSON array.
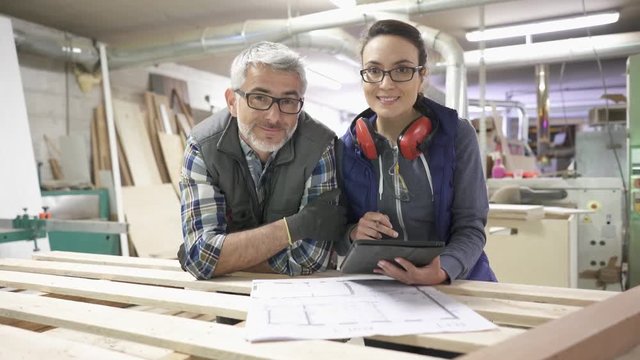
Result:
[{"x": 56, "y": 105}]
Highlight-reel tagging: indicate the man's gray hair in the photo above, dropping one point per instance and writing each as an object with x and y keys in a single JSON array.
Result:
[{"x": 274, "y": 55}]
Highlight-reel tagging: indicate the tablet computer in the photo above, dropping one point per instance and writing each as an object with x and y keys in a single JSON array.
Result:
[{"x": 363, "y": 256}]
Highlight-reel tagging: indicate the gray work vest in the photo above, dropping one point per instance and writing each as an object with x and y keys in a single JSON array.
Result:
[{"x": 217, "y": 137}]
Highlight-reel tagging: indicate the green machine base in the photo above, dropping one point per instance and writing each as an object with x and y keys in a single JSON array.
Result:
[{"x": 95, "y": 243}]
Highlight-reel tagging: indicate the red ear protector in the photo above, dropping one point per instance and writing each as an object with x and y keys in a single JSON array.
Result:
[{"x": 409, "y": 141}]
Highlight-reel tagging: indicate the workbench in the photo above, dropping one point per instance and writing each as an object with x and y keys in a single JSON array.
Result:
[{"x": 62, "y": 305}]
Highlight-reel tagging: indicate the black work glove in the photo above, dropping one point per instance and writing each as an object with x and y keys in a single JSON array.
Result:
[
  {"x": 322, "y": 220},
  {"x": 182, "y": 257}
]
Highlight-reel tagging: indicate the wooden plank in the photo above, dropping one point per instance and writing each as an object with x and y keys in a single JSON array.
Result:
[
  {"x": 199, "y": 302},
  {"x": 603, "y": 330},
  {"x": 184, "y": 335},
  {"x": 164, "y": 114},
  {"x": 455, "y": 342},
  {"x": 95, "y": 154},
  {"x": 129, "y": 348},
  {"x": 232, "y": 306},
  {"x": 29, "y": 345},
  {"x": 125, "y": 173},
  {"x": 74, "y": 161},
  {"x": 135, "y": 142},
  {"x": 103, "y": 138},
  {"x": 516, "y": 313},
  {"x": 172, "y": 150},
  {"x": 152, "y": 130},
  {"x": 101, "y": 259},
  {"x": 153, "y": 214},
  {"x": 534, "y": 293},
  {"x": 508, "y": 312},
  {"x": 242, "y": 284},
  {"x": 139, "y": 276},
  {"x": 184, "y": 125}
]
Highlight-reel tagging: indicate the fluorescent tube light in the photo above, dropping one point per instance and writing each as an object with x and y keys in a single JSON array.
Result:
[{"x": 541, "y": 27}]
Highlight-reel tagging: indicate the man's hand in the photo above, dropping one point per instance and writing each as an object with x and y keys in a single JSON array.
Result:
[
  {"x": 373, "y": 226},
  {"x": 404, "y": 271},
  {"x": 322, "y": 220}
]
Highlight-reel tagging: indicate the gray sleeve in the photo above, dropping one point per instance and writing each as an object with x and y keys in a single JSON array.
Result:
[{"x": 470, "y": 206}]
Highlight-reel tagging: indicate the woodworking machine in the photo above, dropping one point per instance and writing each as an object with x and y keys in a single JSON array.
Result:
[{"x": 31, "y": 228}]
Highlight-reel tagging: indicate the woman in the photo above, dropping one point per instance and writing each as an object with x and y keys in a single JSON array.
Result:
[{"x": 411, "y": 168}]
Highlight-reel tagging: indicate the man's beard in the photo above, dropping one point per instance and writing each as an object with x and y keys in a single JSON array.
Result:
[{"x": 258, "y": 144}]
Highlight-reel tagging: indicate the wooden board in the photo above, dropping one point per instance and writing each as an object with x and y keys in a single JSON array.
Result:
[
  {"x": 601, "y": 331},
  {"x": 95, "y": 154},
  {"x": 185, "y": 335},
  {"x": 103, "y": 139},
  {"x": 130, "y": 348},
  {"x": 100, "y": 259},
  {"x": 199, "y": 302},
  {"x": 153, "y": 214},
  {"x": 28, "y": 345},
  {"x": 74, "y": 161},
  {"x": 151, "y": 124},
  {"x": 502, "y": 311},
  {"x": 172, "y": 151},
  {"x": 521, "y": 305},
  {"x": 135, "y": 143}
]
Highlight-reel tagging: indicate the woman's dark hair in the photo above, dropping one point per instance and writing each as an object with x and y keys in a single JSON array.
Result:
[{"x": 397, "y": 28}]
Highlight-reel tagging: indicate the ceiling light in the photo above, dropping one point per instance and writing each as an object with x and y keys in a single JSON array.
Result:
[
  {"x": 344, "y": 3},
  {"x": 541, "y": 27}
]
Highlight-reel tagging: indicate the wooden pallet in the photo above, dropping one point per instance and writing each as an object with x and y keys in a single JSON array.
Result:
[{"x": 118, "y": 307}]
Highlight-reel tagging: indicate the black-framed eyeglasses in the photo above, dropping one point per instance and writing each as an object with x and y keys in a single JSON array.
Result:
[
  {"x": 399, "y": 74},
  {"x": 259, "y": 101}
]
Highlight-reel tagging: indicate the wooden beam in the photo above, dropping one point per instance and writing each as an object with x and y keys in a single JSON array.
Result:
[
  {"x": 28, "y": 345},
  {"x": 198, "y": 302},
  {"x": 604, "y": 330},
  {"x": 455, "y": 342},
  {"x": 232, "y": 306},
  {"x": 184, "y": 335},
  {"x": 516, "y": 313},
  {"x": 101, "y": 259},
  {"x": 534, "y": 293}
]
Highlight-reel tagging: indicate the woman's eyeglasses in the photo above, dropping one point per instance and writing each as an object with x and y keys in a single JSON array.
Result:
[{"x": 399, "y": 74}]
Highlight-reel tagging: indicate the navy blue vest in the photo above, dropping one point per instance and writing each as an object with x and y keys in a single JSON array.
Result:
[{"x": 359, "y": 178}]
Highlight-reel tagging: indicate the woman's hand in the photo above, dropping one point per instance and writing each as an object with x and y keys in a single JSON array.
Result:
[
  {"x": 373, "y": 226},
  {"x": 404, "y": 271}
]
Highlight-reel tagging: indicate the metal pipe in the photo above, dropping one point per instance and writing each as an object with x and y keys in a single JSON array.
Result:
[
  {"x": 452, "y": 53},
  {"x": 523, "y": 120},
  {"x": 54, "y": 43}
]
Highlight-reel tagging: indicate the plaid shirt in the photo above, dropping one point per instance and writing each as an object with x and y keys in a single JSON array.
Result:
[{"x": 203, "y": 209}]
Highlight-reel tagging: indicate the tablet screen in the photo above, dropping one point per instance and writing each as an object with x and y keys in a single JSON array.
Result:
[{"x": 363, "y": 256}]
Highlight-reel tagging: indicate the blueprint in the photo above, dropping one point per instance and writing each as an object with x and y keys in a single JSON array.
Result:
[{"x": 345, "y": 307}]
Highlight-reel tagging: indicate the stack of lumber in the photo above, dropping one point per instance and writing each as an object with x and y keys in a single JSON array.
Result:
[
  {"x": 60, "y": 304},
  {"x": 151, "y": 140}
]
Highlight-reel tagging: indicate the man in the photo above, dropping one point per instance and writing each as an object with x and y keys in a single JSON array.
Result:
[{"x": 253, "y": 176}]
